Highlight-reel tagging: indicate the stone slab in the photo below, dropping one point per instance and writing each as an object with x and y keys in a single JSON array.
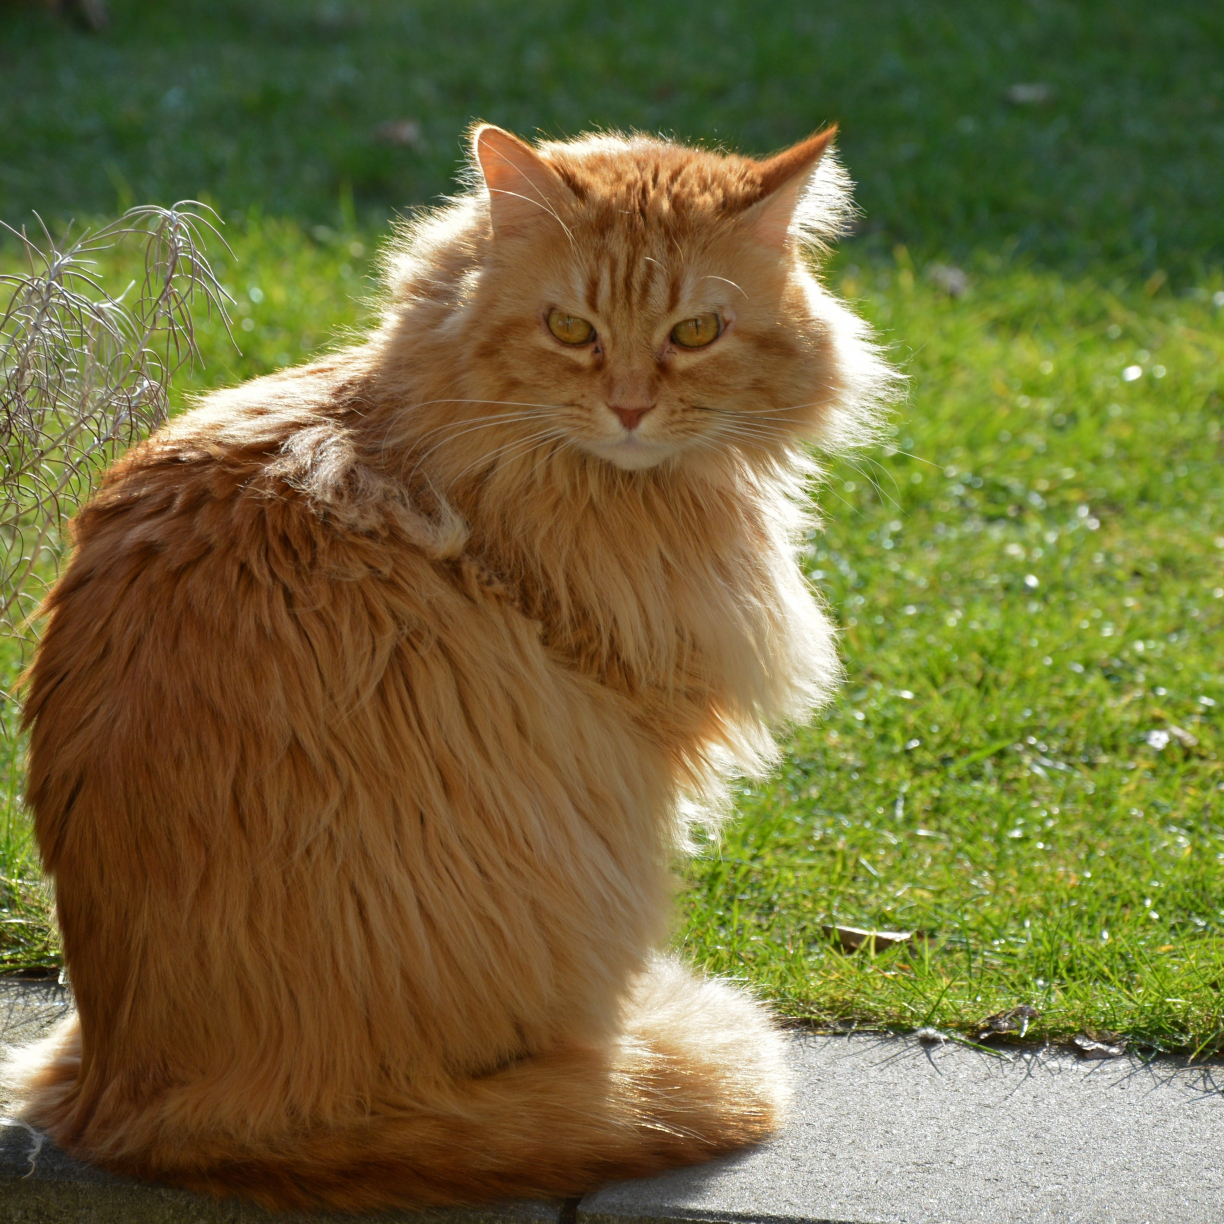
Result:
[
  {"x": 39, "y": 1184},
  {"x": 890, "y": 1131},
  {"x": 883, "y": 1131}
]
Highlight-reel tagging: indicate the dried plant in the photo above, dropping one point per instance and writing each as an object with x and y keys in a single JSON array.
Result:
[{"x": 83, "y": 375}]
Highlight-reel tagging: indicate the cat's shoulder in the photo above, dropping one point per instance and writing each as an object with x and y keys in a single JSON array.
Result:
[{"x": 278, "y": 459}]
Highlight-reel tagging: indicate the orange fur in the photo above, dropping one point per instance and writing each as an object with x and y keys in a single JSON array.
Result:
[{"x": 379, "y": 692}]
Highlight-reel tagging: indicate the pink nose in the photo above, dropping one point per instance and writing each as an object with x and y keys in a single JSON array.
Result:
[{"x": 630, "y": 417}]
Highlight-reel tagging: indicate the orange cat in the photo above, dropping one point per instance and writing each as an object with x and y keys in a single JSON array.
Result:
[{"x": 379, "y": 692}]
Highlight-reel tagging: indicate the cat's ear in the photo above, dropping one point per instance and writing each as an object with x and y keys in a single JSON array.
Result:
[
  {"x": 783, "y": 180},
  {"x": 523, "y": 187}
]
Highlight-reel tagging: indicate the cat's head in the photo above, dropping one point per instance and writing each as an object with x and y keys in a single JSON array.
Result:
[{"x": 647, "y": 303}]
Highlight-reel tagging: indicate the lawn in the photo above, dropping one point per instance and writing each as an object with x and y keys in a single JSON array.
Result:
[{"x": 1024, "y": 764}]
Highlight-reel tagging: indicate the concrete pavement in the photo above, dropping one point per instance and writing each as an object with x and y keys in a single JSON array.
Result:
[{"x": 884, "y": 1130}]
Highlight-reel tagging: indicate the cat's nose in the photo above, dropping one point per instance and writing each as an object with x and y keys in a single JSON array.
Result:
[{"x": 630, "y": 417}]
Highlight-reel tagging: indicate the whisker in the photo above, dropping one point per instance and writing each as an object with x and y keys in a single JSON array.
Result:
[
  {"x": 508, "y": 419},
  {"x": 918, "y": 458},
  {"x": 492, "y": 457},
  {"x": 826, "y": 487},
  {"x": 871, "y": 480},
  {"x": 874, "y": 463},
  {"x": 430, "y": 403},
  {"x": 490, "y": 419},
  {"x": 748, "y": 429},
  {"x": 541, "y": 203},
  {"x": 464, "y": 420},
  {"x": 506, "y": 403},
  {"x": 565, "y": 442},
  {"x": 724, "y": 280},
  {"x": 786, "y": 424},
  {"x": 502, "y": 453},
  {"x": 520, "y": 450},
  {"x": 464, "y": 424}
]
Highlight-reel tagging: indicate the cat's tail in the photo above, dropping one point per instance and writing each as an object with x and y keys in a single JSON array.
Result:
[{"x": 697, "y": 1072}]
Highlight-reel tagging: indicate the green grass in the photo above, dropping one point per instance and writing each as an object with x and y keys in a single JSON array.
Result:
[
  {"x": 1018, "y": 619},
  {"x": 1026, "y": 579},
  {"x": 274, "y": 103}
]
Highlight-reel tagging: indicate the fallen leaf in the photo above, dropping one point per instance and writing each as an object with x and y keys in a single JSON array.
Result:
[
  {"x": 1010, "y": 1020},
  {"x": 950, "y": 279},
  {"x": 852, "y": 938},
  {"x": 1032, "y": 94},
  {"x": 406, "y": 132},
  {"x": 93, "y": 13},
  {"x": 1103, "y": 1045},
  {"x": 1183, "y": 737}
]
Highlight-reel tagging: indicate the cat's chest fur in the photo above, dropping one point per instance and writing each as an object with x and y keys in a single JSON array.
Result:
[
  {"x": 681, "y": 597},
  {"x": 677, "y": 594}
]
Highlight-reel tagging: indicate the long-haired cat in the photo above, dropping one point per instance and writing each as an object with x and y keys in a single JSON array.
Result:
[{"x": 379, "y": 692}]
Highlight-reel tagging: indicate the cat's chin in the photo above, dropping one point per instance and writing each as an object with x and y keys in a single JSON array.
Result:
[{"x": 632, "y": 454}]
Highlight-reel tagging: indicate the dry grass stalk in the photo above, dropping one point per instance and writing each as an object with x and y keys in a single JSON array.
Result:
[{"x": 83, "y": 375}]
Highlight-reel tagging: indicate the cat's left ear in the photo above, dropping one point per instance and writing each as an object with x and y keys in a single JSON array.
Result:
[
  {"x": 783, "y": 180},
  {"x": 523, "y": 188}
]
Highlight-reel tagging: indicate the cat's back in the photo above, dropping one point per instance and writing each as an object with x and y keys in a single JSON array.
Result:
[
  {"x": 226, "y": 572},
  {"x": 248, "y": 459}
]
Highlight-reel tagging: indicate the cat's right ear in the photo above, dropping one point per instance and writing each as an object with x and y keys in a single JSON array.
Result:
[{"x": 523, "y": 188}]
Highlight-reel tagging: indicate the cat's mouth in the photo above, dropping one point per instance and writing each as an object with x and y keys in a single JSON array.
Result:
[{"x": 632, "y": 453}]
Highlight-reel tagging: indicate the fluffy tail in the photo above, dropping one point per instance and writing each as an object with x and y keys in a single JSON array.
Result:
[{"x": 698, "y": 1072}]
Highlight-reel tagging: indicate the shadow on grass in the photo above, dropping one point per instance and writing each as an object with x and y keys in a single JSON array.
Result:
[{"x": 1077, "y": 134}]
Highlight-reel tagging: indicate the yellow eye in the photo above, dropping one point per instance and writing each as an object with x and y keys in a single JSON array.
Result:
[
  {"x": 698, "y": 332},
  {"x": 568, "y": 329}
]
